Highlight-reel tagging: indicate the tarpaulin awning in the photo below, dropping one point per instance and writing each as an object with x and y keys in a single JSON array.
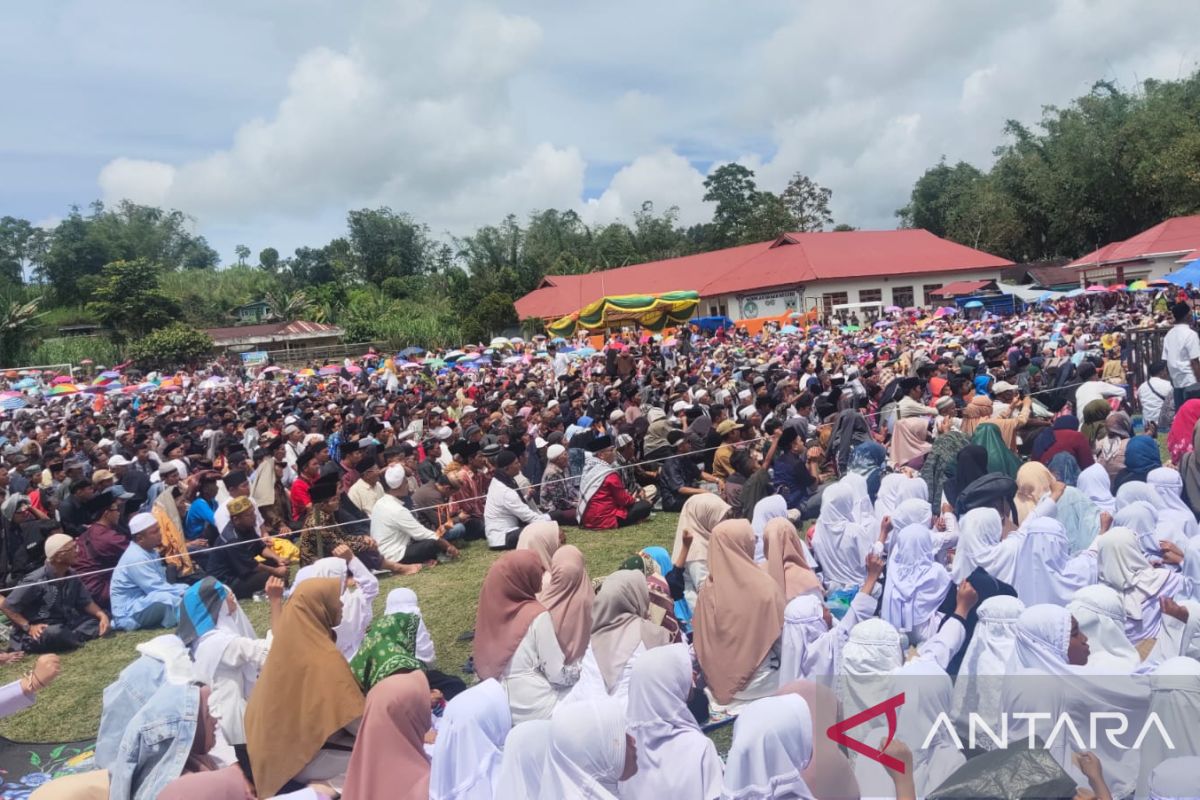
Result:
[
  {"x": 961, "y": 287},
  {"x": 650, "y": 311}
]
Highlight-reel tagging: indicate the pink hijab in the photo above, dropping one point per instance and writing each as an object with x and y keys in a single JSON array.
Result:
[
  {"x": 785, "y": 560},
  {"x": 389, "y": 754},
  {"x": 568, "y": 597},
  {"x": 507, "y": 607},
  {"x": 542, "y": 538}
]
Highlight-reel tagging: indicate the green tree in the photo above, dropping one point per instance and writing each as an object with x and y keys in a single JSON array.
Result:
[
  {"x": 842, "y": 226},
  {"x": 175, "y": 345},
  {"x": 22, "y": 248},
  {"x": 936, "y": 194},
  {"x": 808, "y": 203},
  {"x": 493, "y": 314},
  {"x": 287, "y": 307},
  {"x": 242, "y": 253},
  {"x": 17, "y": 322},
  {"x": 657, "y": 237},
  {"x": 128, "y": 301},
  {"x": 769, "y": 218},
  {"x": 384, "y": 244},
  {"x": 73, "y": 253},
  {"x": 268, "y": 259},
  {"x": 732, "y": 188}
]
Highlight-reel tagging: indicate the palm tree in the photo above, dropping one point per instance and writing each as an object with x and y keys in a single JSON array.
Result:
[
  {"x": 17, "y": 320},
  {"x": 286, "y": 307}
]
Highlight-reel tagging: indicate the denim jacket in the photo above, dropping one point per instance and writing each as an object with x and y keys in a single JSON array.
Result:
[
  {"x": 161, "y": 657},
  {"x": 156, "y": 744}
]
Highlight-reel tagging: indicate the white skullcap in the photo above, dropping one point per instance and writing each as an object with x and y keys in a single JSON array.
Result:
[
  {"x": 746, "y": 412},
  {"x": 443, "y": 433},
  {"x": 616, "y": 415},
  {"x": 745, "y": 394},
  {"x": 394, "y": 476},
  {"x": 55, "y": 543},
  {"x": 140, "y": 522},
  {"x": 554, "y": 451}
]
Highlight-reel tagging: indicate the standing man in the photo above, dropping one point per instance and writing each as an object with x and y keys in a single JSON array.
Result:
[{"x": 1181, "y": 351}]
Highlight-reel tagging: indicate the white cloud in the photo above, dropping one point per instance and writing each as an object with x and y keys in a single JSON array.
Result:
[{"x": 664, "y": 178}]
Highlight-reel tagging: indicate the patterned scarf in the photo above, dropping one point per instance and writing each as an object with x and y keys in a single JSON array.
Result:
[{"x": 389, "y": 647}]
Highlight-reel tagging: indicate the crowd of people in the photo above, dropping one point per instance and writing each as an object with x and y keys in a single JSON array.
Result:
[{"x": 971, "y": 512}]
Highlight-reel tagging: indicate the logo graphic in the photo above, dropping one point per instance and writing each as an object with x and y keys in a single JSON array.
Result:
[{"x": 837, "y": 732}]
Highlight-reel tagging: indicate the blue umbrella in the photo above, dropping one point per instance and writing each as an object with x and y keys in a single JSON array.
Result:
[
  {"x": 789, "y": 329},
  {"x": 973, "y": 304},
  {"x": 13, "y": 403},
  {"x": 411, "y": 351},
  {"x": 1075, "y": 293},
  {"x": 25, "y": 383}
]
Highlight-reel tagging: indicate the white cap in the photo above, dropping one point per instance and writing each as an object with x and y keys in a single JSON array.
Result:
[
  {"x": 539, "y": 443},
  {"x": 442, "y": 433},
  {"x": 700, "y": 394},
  {"x": 140, "y": 522},
  {"x": 118, "y": 461},
  {"x": 469, "y": 410},
  {"x": 555, "y": 451},
  {"x": 552, "y": 404},
  {"x": 745, "y": 394},
  {"x": 394, "y": 476},
  {"x": 746, "y": 412},
  {"x": 998, "y": 388},
  {"x": 680, "y": 405},
  {"x": 437, "y": 410},
  {"x": 624, "y": 439},
  {"x": 616, "y": 415}
]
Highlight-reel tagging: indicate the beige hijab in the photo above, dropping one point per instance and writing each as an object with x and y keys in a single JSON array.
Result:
[
  {"x": 739, "y": 613},
  {"x": 700, "y": 514},
  {"x": 262, "y": 488},
  {"x": 568, "y": 597},
  {"x": 1034, "y": 481},
  {"x": 976, "y": 412},
  {"x": 542, "y": 538},
  {"x": 785, "y": 561},
  {"x": 619, "y": 623}
]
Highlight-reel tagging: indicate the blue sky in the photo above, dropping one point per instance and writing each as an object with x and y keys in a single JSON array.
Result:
[{"x": 267, "y": 121}]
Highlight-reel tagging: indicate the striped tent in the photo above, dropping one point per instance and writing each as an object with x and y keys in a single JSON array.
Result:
[{"x": 650, "y": 311}]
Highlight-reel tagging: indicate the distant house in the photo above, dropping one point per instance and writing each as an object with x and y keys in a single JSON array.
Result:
[
  {"x": 1150, "y": 254},
  {"x": 274, "y": 336},
  {"x": 81, "y": 329},
  {"x": 252, "y": 313},
  {"x": 1042, "y": 275}
]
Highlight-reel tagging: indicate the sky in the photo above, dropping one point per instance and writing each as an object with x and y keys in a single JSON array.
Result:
[{"x": 267, "y": 121}]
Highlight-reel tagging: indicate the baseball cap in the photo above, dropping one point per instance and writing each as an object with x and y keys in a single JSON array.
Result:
[
  {"x": 118, "y": 461},
  {"x": 726, "y": 426}
]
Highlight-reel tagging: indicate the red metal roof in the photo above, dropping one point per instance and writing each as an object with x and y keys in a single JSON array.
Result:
[
  {"x": 272, "y": 329},
  {"x": 793, "y": 258},
  {"x": 1176, "y": 236},
  {"x": 960, "y": 287}
]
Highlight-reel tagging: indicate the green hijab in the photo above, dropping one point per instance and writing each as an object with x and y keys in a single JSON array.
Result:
[
  {"x": 1094, "y": 415},
  {"x": 389, "y": 647},
  {"x": 1000, "y": 458}
]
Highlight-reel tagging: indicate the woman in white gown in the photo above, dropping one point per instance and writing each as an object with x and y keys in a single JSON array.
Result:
[
  {"x": 359, "y": 589},
  {"x": 465, "y": 763}
]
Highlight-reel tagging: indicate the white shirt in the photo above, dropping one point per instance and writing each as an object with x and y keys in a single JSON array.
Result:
[
  {"x": 504, "y": 511},
  {"x": 1180, "y": 346},
  {"x": 1151, "y": 395},
  {"x": 1094, "y": 390},
  {"x": 538, "y": 676},
  {"x": 393, "y": 526}
]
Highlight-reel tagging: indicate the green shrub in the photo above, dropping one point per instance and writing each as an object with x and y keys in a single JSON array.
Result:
[{"x": 172, "y": 346}]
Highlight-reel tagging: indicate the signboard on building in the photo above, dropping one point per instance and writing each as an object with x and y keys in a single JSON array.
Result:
[
  {"x": 768, "y": 304},
  {"x": 256, "y": 358}
]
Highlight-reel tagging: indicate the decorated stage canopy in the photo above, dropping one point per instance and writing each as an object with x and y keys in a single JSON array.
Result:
[{"x": 650, "y": 311}]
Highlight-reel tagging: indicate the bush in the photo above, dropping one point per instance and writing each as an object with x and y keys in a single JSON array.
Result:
[
  {"x": 172, "y": 346},
  {"x": 73, "y": 350}
]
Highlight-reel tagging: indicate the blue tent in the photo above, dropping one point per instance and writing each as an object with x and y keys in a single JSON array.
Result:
[
  {"x": 712, "y": 324},
  {"x": 1188, "y": 273}
]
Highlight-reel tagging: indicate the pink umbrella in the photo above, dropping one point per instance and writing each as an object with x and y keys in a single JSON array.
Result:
[
  {"x": 1097, "y": 288},
  {"x": 60, "y": 380}
]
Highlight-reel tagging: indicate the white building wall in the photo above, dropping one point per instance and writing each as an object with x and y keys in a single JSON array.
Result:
[
  {"x": 1147, "y": 269},
  {"x": 805, "y": 296}
]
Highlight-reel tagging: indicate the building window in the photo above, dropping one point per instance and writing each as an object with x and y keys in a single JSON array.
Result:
[
  {"x": 870, "y": 295},
  {"x": 831, "y": 299},
  {"x": 902, "y": 296},
  {"x": 930, "y": 298}
]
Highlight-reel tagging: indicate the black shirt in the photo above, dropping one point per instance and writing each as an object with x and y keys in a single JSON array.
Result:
[
  {"x": 58, "y": 603},
  {"x": 233, "y": 563}
]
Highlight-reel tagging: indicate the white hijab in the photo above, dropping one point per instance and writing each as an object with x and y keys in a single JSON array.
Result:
[
  {"x": 1168, "y": 483},
  {"x": 978, "y": 688},
  {"x": 1125, "y": 568},
  {"x": 524, "y": 758},
  {"x": 913, "y": 511},
  {"x": 839, "y": 542},
  {"x": 772, "y": 746},
  {"x": 1133, "y": 491},
  {"x": 587, "y": 751},
  {"x": 894, "y": 489},
  {"x": 1096, "y": 483},
  {"x": 864, "y": 509},
  {"x": 801, "y": 655},
  {"x": 1046, "y": 573},
  {"x": 1043, "y": 633},
  {"x": 980, "y": 545},
  {"x": 765, "y": 510},
  {"x": 356, "y": 606},
  {"x": 1177, "y": 638},
  {"x": 869, "y": 658},
  {"x": 404, "y": 601},
  {"x": 675, "y": 759},
  {"x": 1101, "y": 616},
  {"x": 1175, "y": 698},
  {"x": 1175, "y": 779},
  {"x": 466, "y": 755},
  {"x": 916, "y": 584}
]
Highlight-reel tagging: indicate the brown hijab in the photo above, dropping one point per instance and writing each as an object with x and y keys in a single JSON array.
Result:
[
  {"x": 507, "y": 607},
  {"x": 568, "y": 597},
  {"x": 700, "y": 514},
  {"x": 306, "y": 691},
  {"x": 389, "y": 754},
  {"x": 739, "y": 613},
  {"x": 620, "y": 623},
  {"x": 542, "y": 538},
  {"x": 975, "y": 412},
  {"x": 829, "y": 774},
  {"x": 785, "y": 560}
]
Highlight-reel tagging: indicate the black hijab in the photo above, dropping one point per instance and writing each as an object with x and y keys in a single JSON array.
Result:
[{"x": 971, "y": 464}]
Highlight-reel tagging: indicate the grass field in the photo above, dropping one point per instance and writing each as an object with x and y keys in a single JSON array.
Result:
[{"x": 70, "y": 709}]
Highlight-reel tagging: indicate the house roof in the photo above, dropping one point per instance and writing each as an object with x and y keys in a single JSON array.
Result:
[
  {"x": 962, "y": 287},
  {"x": 1177, "y": 236},
  {"x": 1049, "y": 277},
  {"x": 792, "y": 258},
  {"x": 272, "y": 331}
]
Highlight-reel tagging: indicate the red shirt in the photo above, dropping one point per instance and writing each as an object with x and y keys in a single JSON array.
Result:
[
  {"x": 608, "y": 506},
  {"x": 99, "y": 548},
  {"x": 1073, "y": 442},
  {"x": 301, "y": 499}
]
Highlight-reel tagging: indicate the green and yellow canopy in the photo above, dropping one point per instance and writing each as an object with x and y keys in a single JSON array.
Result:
[{"x": 651, "y": 311}]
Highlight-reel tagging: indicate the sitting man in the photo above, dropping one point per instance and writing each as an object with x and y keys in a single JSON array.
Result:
[
  {"x": 559, "y": 491},
  {"x": 603, "y": 501},
  {"x": 679, "y": 475},
  {"x": 506, "y": 512},
  {"x": 238, "y": 567},
  {"x": 405, "y": 543},
  {"x": 53, "y": 617},
  {"x": 141, "y": 595}
]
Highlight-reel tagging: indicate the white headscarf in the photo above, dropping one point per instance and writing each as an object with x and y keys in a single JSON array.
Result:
[
  {"x": 894, "y": 489},
  {"x": 1043, "y": 634},
  {"x": 839, "y": 542},
  {"x": 1168, "y": 483},
  {"x": 524, "y": 759},
  {"x": 356, "y": 606},
  {"x": 587, "y": 751},
  {"x": 404, "y": 601},
  {"x": 978, "y": 688},
  {"x": 1047, "y": 574},
  {"x": 913, "y": 511},
  {"x": 916, "y": 584},
  {"x": 870, "y": 656},
  {"x": 229, "y": 691},
  {"x": 1177, "y": 638},
  {"x": 466, "y": 755},
  {"x": 864, "y": 509},
  {"x": 772, "y": 745},
  {"x": 765, "y": 510},
  {"x": 1133, "y": 491},
  {"x": 1101, "y": 616},
  {"x": 1096, "y": 483},
  {"x": 675, "y": 759},
  {"x": 980, "y": 545},
  {"x": 1175, "y": 779},
  {"x": 1124, "y": 567},
  {"x": 1141, "y": 518},
  {"x": 803, "y": 625},
  {"x": 1175, "y": 698}
]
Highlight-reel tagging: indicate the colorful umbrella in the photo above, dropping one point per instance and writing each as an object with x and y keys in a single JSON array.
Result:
[
  {"x": 354, "y": 369},
  {"x": 329, "y": 369},
  {"x": 64, "y": 389},
  {"x": 893, "y": 310},
  {"x": 1138, "y": 286},
  {"x": 1117, "y": 287},
  {"x": 789, "y": 329},
  {"x": 1095, "y": 287},
  {"x": 306, "y": 372},
  {"x": 25, "y": 383},
  {"x": 60, "y": 380},
  {"x": 11, "y": 401},
  {"x": 409, "y": 352},
  {"x": 453, "y": 355}
]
